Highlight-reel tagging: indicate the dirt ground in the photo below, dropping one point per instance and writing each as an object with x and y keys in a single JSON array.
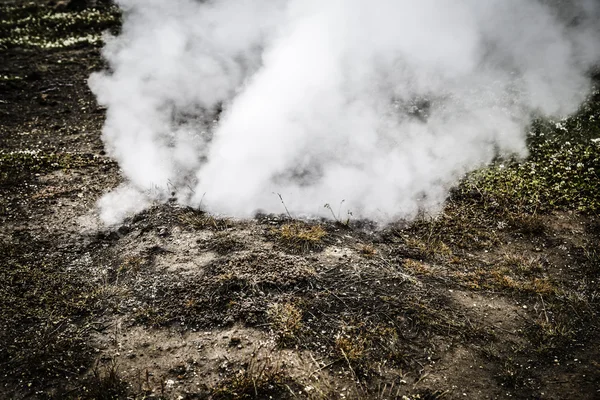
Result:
[{"x": 482, "y": 302}]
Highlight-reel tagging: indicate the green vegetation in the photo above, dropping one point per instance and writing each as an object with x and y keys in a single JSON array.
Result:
[
  {"x": 557, "y": 175},
  {"x": 561, "y": 173},
  {"x": 32, "y": 25}
]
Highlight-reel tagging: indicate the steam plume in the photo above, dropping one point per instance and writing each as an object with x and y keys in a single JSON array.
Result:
[{"x": 383, "y": 103}]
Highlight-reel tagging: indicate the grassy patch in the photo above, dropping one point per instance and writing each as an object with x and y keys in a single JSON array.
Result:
[
  {"x": 19, "y": 166},
  {"x": 45, "y": 311},
  {"x": 565, "y": 320},
  {"x": 461, "y": 227}
]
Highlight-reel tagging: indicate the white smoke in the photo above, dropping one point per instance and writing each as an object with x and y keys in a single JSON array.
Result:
[{"x": 383, "y": 103}]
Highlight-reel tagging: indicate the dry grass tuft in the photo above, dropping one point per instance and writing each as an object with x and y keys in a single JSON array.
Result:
[
  {"x": 367, "y": 250},
  {"x": 106, "y": 382},
  {"x": 514, "y": 272},
  {"x": 352, "y": 348},
  {"x": 528, "y": 224},
  {"x": 417, "y": 267},
  {"x": 300, "y": 237},
  {"x": 430, "y": 248},
  {"x": 201, "y": 220},
  {"x": 522, "y": 264},
  {"x": 150, "y": 316},
  {"x": 130, "y": 264},
  {"x": 262, "y": 379},
  {"x": 286, "y": 320}
]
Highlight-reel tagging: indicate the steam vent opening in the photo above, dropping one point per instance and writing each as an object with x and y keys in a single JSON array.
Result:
[{"x": 299, "y": 199}]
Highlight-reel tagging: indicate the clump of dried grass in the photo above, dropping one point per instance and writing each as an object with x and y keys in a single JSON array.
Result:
[
  {"x": 286, "y": 320},
  {"x": 300, "y": 237}
]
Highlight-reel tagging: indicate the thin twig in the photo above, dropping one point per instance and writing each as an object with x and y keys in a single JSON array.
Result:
[
  {"x": 284, "y": 206},
  {"x": 544, "y": 308},
  {"x": 324, "y": 367},
  {"x": 351, "y": 369}
]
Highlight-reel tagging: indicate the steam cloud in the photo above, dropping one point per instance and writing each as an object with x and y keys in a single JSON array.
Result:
[{"x": 382, "y": 103}]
